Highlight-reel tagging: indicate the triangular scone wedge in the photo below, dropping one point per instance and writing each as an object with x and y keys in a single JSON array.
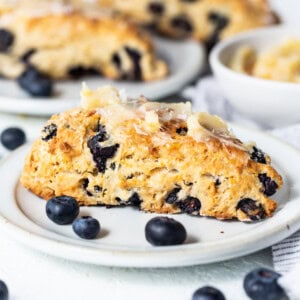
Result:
[
  {"x": 63, "y": 41},
  {"x": 160, "y": 157}
]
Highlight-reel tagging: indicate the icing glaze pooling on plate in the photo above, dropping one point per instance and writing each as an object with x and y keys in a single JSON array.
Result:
[{"x": 116, "y": 107}]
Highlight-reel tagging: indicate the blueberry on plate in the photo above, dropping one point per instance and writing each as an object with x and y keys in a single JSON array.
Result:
[
  {"x": 164, "y": 231},
  {"x": 208, "y": 293},
  {"x": 86, "y": 227},
  {"x": 35, "y": 83},
  {"x": 62, "y": 210},
  {"x": 3, "y": 291},
  {"x": 12, "y": 138},
  {"x": 261, "y": 284}
]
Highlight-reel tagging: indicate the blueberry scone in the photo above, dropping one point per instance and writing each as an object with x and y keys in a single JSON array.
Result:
[
  {"x": 60, "y": 41},
  {"x": 160, "y": 157},
  {"x": 205, "y": 20}
]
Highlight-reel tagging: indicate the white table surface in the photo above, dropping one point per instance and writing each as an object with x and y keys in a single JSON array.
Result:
[{"x": 32, "y": 275}]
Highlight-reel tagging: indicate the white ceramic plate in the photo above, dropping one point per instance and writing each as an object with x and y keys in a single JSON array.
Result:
[
  {"x": 185, "y": 60},
  {"x": 122, "y": 242}
]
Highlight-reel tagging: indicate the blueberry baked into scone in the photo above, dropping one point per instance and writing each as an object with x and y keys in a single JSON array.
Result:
[
  {"x": 204, "y": 20},
  {"x": 51, "y": 39},
  {"x": 159, "y": 157}
]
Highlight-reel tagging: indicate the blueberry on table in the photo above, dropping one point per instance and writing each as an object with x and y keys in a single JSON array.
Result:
[
  {"x": 208, "y": 293},
  {"x": 35, "y": 83},
  {"x": 3, "y": 291},
  {"x": 86, "y": 227},
  {"x": 164, "y": 231},
  {"x": 12, "y": 138},
  {"x": 261, "y": 284},
  {"x": 62, "y": 210}
]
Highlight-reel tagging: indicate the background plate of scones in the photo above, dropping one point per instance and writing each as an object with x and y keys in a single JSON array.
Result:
[
  {"x": 157, "y": 185},
  {"x": 46, "y": 47}
]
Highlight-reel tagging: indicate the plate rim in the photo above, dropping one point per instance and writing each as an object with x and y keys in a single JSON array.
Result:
[
  {"x": 131, "y": 258},
  {"x": 173, "y": 83}
]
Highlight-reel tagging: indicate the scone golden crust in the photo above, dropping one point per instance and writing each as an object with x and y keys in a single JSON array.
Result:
[
  {"x": 205, "y": 20},
  {"x": 67, "y": 42},
  {"x": 160, "y": 157}
]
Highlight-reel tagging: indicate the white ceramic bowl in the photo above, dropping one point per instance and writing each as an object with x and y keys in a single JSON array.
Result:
[{"x": 270, "y": 102}]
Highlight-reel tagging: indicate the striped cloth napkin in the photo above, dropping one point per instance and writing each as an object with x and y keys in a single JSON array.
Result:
[
  {"x": 287, "y": 253},
  {"x": 206, "y": 96}
]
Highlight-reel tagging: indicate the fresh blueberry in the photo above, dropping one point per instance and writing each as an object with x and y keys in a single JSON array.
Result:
[
  {"x": 86, "y": 227},
  {"x": 6, "y": 40},
  {"x": 35, "y": 83},
  {"x": 12, "y": 138},
  {"x": 261, "y": 284},
  {"x": 62, "y": 210},
  {"x": 3, "y": 291},
  {"x": 208, "y": 293},
  {"x": 164, "y": 231}
]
